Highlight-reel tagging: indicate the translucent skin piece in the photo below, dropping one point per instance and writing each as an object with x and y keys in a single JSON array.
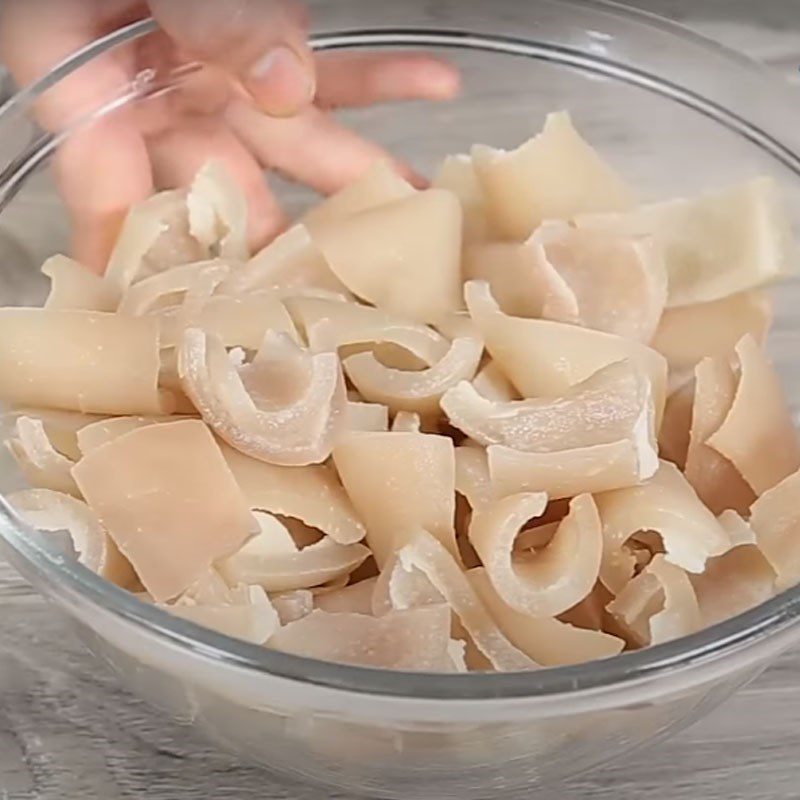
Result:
[
  {"x": 758, "y": 436},
  {"x": 619, "y": 283},
  {"x": 716, "y": 245},
  {"x": 416, "y": 639},
  {"x": 555, "y": 175},
  {"x": 613, "y": 404},
  {"x": 399, "y": 588},
  {"x": 403, "y": 256},
  {"x": 285, "y": 407},
  {"x": 80, "y": 361},
  {"x": 472, "y": 475},
  {"x": 99, "y": 433},
  {"x": 715, "y": 479},
  {"x": 218, "y": 212},
  {"x": 493, "y": 384},
  {"x": 406, "y": 422},
  {"x": 169, "y": 502},
  {"x": 353, "y": 599},
  {"x": 397, "y": 482},
  {"x": 312, "y": 494},
  {"x": 39, "y": 461},
  {"x": 658, "y": 605},
  {"x": 73, "y": 286},
  {"x": 61, "y": 427},
  {"x": 367, "y": 417},
  {"x": 553, "y": 579},
  {"x": 420, "y": 391},
  {"x": 55, "y": 511},
  {"x": 673, "y": 438},
  {"x": 424, "y": 552},
  {"x": 293, "y": 605},
  {"x": 457, "y": 175},
  {"x": 545, "y": 359},
  {"x": 668, "y": 505},
  {"x": 775, "y": 518},
  {"x": 546, "y": 640},
  {"x": 688, "y": 334}
]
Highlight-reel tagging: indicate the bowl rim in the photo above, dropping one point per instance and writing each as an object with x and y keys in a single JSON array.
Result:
[{"x": 30, "y": 552}]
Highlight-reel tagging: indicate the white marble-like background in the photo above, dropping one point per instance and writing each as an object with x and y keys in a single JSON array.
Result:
[{"x": 68, "y": 733}]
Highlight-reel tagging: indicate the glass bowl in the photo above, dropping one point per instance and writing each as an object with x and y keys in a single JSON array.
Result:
[{"x": 676, "y": 114}]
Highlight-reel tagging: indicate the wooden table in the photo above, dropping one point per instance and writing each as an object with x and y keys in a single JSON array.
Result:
[{"x": 68, "y": 733}]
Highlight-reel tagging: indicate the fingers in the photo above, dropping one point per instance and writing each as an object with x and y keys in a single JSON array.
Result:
[
  {"x": 360, "y": 79},
  {"x": 260, "y": 42},
  {"x": 312, "y": 147},
  {"x": 101, "y": 172},
  {"x": 178, "y": 154}
]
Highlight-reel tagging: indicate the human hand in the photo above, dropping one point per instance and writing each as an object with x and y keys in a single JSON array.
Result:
[{"x": 260, "y": 102}]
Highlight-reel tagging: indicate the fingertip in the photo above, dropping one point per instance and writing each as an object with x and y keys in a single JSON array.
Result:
[
  {"x": 442, "y": 80},
  {"x": 282, "y": 82}
]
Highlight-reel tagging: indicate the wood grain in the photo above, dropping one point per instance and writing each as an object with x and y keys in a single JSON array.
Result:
[{"x": 68, "y": 733}]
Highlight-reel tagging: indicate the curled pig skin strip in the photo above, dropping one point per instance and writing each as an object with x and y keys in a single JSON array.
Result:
[
  {"x": 758, "y": 436},
  {"x": 312, "y": 494},
  {"x": 85, "y": 361},
  {"x": 472, "y": 475},
  {"x": 491, "y": 383},
  {"x": 567, "y": 473},
  {"x": 555, "y": 175},
  {"x": 403, "y": 256},
  {"x": 658, "y": 605},
  {"x": 716, "y": 245},
  {"x": 688, "y": 334},
  {"x": 613, "y": 404},
  {"x": 169, "y": 502},
  {"x": 61, "y": 427},
  {"x": 457, "y": 175},
  {"x": 55, "y": 511},
  {"x": 717, "y": 482},
  {"x": 353, "y": 599},
  {"x": 406, "y": 390},
  {"x": 673, "y": 438},
  {"x": 293, "y": 605},
  {"x": 367, "y": 417},
  {"x": 546, "y": 640},
  {"x": 775, "y": 519},
  {"x": 552, "y": 580},
  {"x": 416, "y": 639},
  {"x": 285, "y": 407},
  {"x": 397, "y": 587},
  {"x": 667, "y": 505},
  {"x": 425, "y": 553},
  {"x": 73, "y": 286},
  {"x": 218, "y": 212},
  {"x": 399, "y": 481},
  {"x": 379, "y": 185},
  {"x": 544, "y": 358},
  {"x": 39, "y": 461}
]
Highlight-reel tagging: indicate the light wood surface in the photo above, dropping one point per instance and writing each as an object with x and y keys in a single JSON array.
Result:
[{"x": 68, "y": 733}]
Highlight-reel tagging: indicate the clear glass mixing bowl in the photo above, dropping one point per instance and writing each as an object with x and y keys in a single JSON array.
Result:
[{"x": 676, "y": 114}]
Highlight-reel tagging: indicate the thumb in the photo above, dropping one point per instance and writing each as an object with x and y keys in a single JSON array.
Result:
[{"x": 262, "y": 43}]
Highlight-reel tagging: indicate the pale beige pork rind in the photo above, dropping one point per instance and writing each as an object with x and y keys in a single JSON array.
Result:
[
  {"x": 775, "y": 519},
  {"x": 668, "y": 506},
  {"x": 218, "y": 212},
  {"x": 493, "y": 384},
  {"x": 416, "y": 639},
  {"x": 758, "y": 436},
  {"x": 293, "y": 605},
  {"x": 546, "y": 640},
  {"x": 96, "y": 434},
  {"x": 285, "y": 407},
  {"x": 366, "y": 416},
  {"x": 688, "y": 334},
  {"x": 61, "y": 427},
  {"x": 613, "y": 404},
  {"x": 311, "y": 494},
  {"x": 715, "y": 479},
  {"x": 54, "y": 511},
  {"x": 457, "y": 175},
  {"x": 425, "y": 553},
  {"x": 271, "y": 559},
  {"x": 555, "y": 175},
  {"x": 353, "y": 599},
  {"x": 398, "y": 482},
  {"x": 414, "y": 390},
  {"x": 403, "y": 256},
  {"x": 473, "y": 481},
  {"x": 673, "y": 437},
  {"x": 547, "y": 582},
  {"x": 85, "y": 361},
  {"x": 658, "y": 605},
  {"x": 545, "y": 359},
  {"x": 406, "y": 422},
  {"x": 246, "y": 613},
  {"x": 379, "y": 185},
  {"x": 715, "y": 245},
  {"x": 168, "y": 500},
  {"x": 40, "y": 463},
  {"x": 618, "y": 284},
  {"x": 73, "y": 286},
  {"x": 736, "y": 581},
  {"x": 330, "y": 325}
]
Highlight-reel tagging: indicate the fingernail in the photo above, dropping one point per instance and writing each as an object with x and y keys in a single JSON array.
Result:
[{"x": 281, "y": 83}]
